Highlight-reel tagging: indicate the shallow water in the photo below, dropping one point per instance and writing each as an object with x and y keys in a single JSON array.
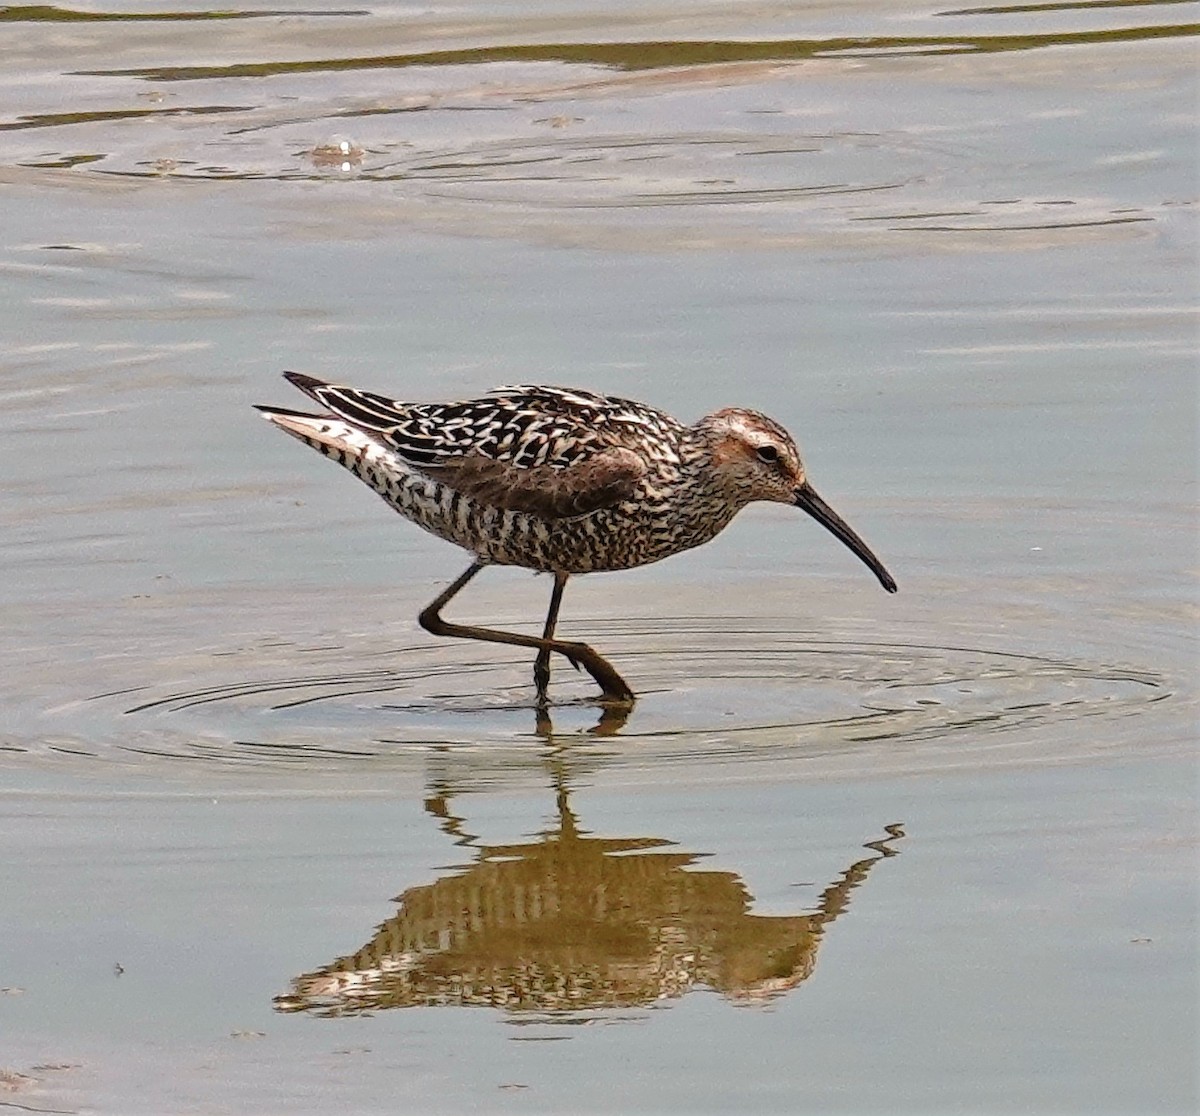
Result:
[{"x": 929, "y": 852}]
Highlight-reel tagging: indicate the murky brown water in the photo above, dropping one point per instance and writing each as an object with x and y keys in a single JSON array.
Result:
[{"x": 849, "y": 852}]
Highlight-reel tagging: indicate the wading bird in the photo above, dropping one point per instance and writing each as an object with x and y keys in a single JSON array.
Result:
[{"x": 559, "y": 481}]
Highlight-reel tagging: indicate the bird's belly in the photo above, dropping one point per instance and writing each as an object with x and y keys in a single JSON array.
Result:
[
  {"x": 606, "y": 540},
  {"x": 588, "y": 544},
  {"x": 618, "y": 538}
]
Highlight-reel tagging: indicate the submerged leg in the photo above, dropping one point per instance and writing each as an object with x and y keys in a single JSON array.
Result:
[
  {"x": 541, "y": 665},
  {"x": 579, "y": 654}
]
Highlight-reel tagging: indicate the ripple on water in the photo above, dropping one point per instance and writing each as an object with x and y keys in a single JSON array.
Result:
[
  {"x": 713, "y": 691},
  {"x": 867, "y": 184}
]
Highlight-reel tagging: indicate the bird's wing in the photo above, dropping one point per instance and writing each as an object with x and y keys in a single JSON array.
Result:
[
  {"x": 550, "y": 451},
  {"x": 602, "y": 480}
]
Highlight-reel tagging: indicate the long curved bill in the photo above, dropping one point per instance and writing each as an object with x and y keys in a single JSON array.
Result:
[{"x": 809, "y": 501}]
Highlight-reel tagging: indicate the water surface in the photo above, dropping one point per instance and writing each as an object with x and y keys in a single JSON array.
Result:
[{"x": 272, "y": 848}]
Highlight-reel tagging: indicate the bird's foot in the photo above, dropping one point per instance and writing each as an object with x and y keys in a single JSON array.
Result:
[{"x": 615, "y": 690}]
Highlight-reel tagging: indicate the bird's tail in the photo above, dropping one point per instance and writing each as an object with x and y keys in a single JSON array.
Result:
[{"x": 346, "y": 444}]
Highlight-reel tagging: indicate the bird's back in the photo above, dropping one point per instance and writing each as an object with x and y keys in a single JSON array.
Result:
[
  {"x": 545, "y": 477},
  {"x": 523, "y": 425}
]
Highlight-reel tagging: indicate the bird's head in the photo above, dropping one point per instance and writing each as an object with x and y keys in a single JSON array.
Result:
[{"x": 754, "y": 458}]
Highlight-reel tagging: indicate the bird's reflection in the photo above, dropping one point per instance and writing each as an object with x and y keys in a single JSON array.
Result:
[
  {"x": 612, "y": 720},
  {"x": 570, "y": 921}
]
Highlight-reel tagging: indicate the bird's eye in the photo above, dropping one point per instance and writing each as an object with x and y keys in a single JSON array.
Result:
[{"x": 768, "y": 453}]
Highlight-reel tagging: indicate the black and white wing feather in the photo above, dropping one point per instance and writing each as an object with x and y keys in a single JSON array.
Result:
[{"x": 550, "y": 451}]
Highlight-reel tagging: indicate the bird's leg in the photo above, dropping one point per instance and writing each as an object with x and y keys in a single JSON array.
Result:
[
  {"x": 616, "y": 689},
  {"x": 541, "y": 665}
]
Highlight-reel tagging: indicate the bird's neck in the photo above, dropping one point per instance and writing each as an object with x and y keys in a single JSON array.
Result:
[{"x": 703, "y": 473}]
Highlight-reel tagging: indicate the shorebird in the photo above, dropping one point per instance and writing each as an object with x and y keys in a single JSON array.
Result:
[{"x": 560, "y": 481}]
